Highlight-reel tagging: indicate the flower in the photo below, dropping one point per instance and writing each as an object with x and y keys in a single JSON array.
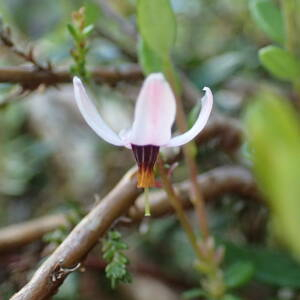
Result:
[{"x": 151, "y": 129}]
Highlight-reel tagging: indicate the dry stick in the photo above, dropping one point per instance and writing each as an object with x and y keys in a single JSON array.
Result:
[
  {"x": 21, "y": 234},
  {"x": 215, "y": 183},
  {"x": 79, "y": 242}
]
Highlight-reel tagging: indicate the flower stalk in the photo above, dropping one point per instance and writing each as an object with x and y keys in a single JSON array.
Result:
[
  {"x": 195, "y": 194},
  {"x": 209, "y": 257},
  {"x": 176, "y": 203},
  {"x": 147, "y": 203}
]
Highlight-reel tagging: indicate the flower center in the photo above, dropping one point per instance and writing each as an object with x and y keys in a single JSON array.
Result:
[{"x": 145, "y": 157}]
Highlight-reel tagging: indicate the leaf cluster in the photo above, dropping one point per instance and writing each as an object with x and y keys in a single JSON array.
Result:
[
  {"x": 80, "y": 33},
  {"x": 116, "y": 269},
  {"x": 280, "y": 60}
]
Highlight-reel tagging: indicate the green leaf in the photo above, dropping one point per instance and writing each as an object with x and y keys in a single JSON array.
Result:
[
  {"x": 239, "y": 274},
  {"x": 274, "y": 135},
  {"x": 88, "y": 30},
  {"x": 73, "y": 31},
  {"x": 116, "y": 269},
  {"x": 269, "y": 18},
  {"x": 271, "y": 266},
  {"x": 157, "y": 25},
  {"x": 194, "y": 294},
  {"x": 280, "y": 63},
  {"x": 217, "y": 69},
  {"x": 231, "y": 297},
  {"x": 148, "y": 59}
]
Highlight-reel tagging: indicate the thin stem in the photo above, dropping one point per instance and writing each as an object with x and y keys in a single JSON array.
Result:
[
  {"x": 147, "y": 203},
  {"x": 176, "y": 203},
  {"x": 196, "y": 194}
]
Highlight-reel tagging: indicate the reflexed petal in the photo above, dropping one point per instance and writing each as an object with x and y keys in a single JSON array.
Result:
[
  {"x": 154, "y": 113},
  {"x": 91, "y": 115},
  {"x": 207, "y": 102}
]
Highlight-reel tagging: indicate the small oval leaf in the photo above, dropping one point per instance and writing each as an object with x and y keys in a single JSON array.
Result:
[
  {"x": 280, "y": 63},
  {"x": 157, "y": 25},
  {"x": 239, "y": 274},
  {"x": 148, "y": 59},
  {"x": 269, "y": 18},
  {"x": 274, "y": 135}
]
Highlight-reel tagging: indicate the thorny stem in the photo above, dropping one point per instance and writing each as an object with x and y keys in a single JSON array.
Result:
[
  {"x": 196, "y": 194},
  {"x": 176, "y": 203}
]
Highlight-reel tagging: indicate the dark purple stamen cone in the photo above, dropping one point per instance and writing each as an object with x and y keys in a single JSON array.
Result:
[{"x": 145, "y": 157}]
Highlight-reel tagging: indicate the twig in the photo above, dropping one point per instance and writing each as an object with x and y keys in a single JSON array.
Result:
[
  {"x": 7, "y": 41},
  {"x": 80, "y": 241},
  {"x": 31, "y": 77},
  {"x": 15, "y": 95},
  {"x": 215, "y": 183},
  {"x": 26, "y": 232}
]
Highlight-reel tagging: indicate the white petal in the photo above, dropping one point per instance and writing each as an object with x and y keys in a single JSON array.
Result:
[
  {"x": 154, "y": 112},
  {"x": 91, "y": 115},
  {"x": 207, "y": 103}
]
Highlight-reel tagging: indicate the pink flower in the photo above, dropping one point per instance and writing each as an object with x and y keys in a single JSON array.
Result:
[{"x": 151, "y": 129}]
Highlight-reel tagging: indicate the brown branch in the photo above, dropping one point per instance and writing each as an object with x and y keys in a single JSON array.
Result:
[
  {"x": 29, "y": 76},
  {"x": 21, "y": 234},
  {"x": 80, "y": 241},
  {"x": 27, "y": 55},
  {"x": 215, "y": 183}
]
